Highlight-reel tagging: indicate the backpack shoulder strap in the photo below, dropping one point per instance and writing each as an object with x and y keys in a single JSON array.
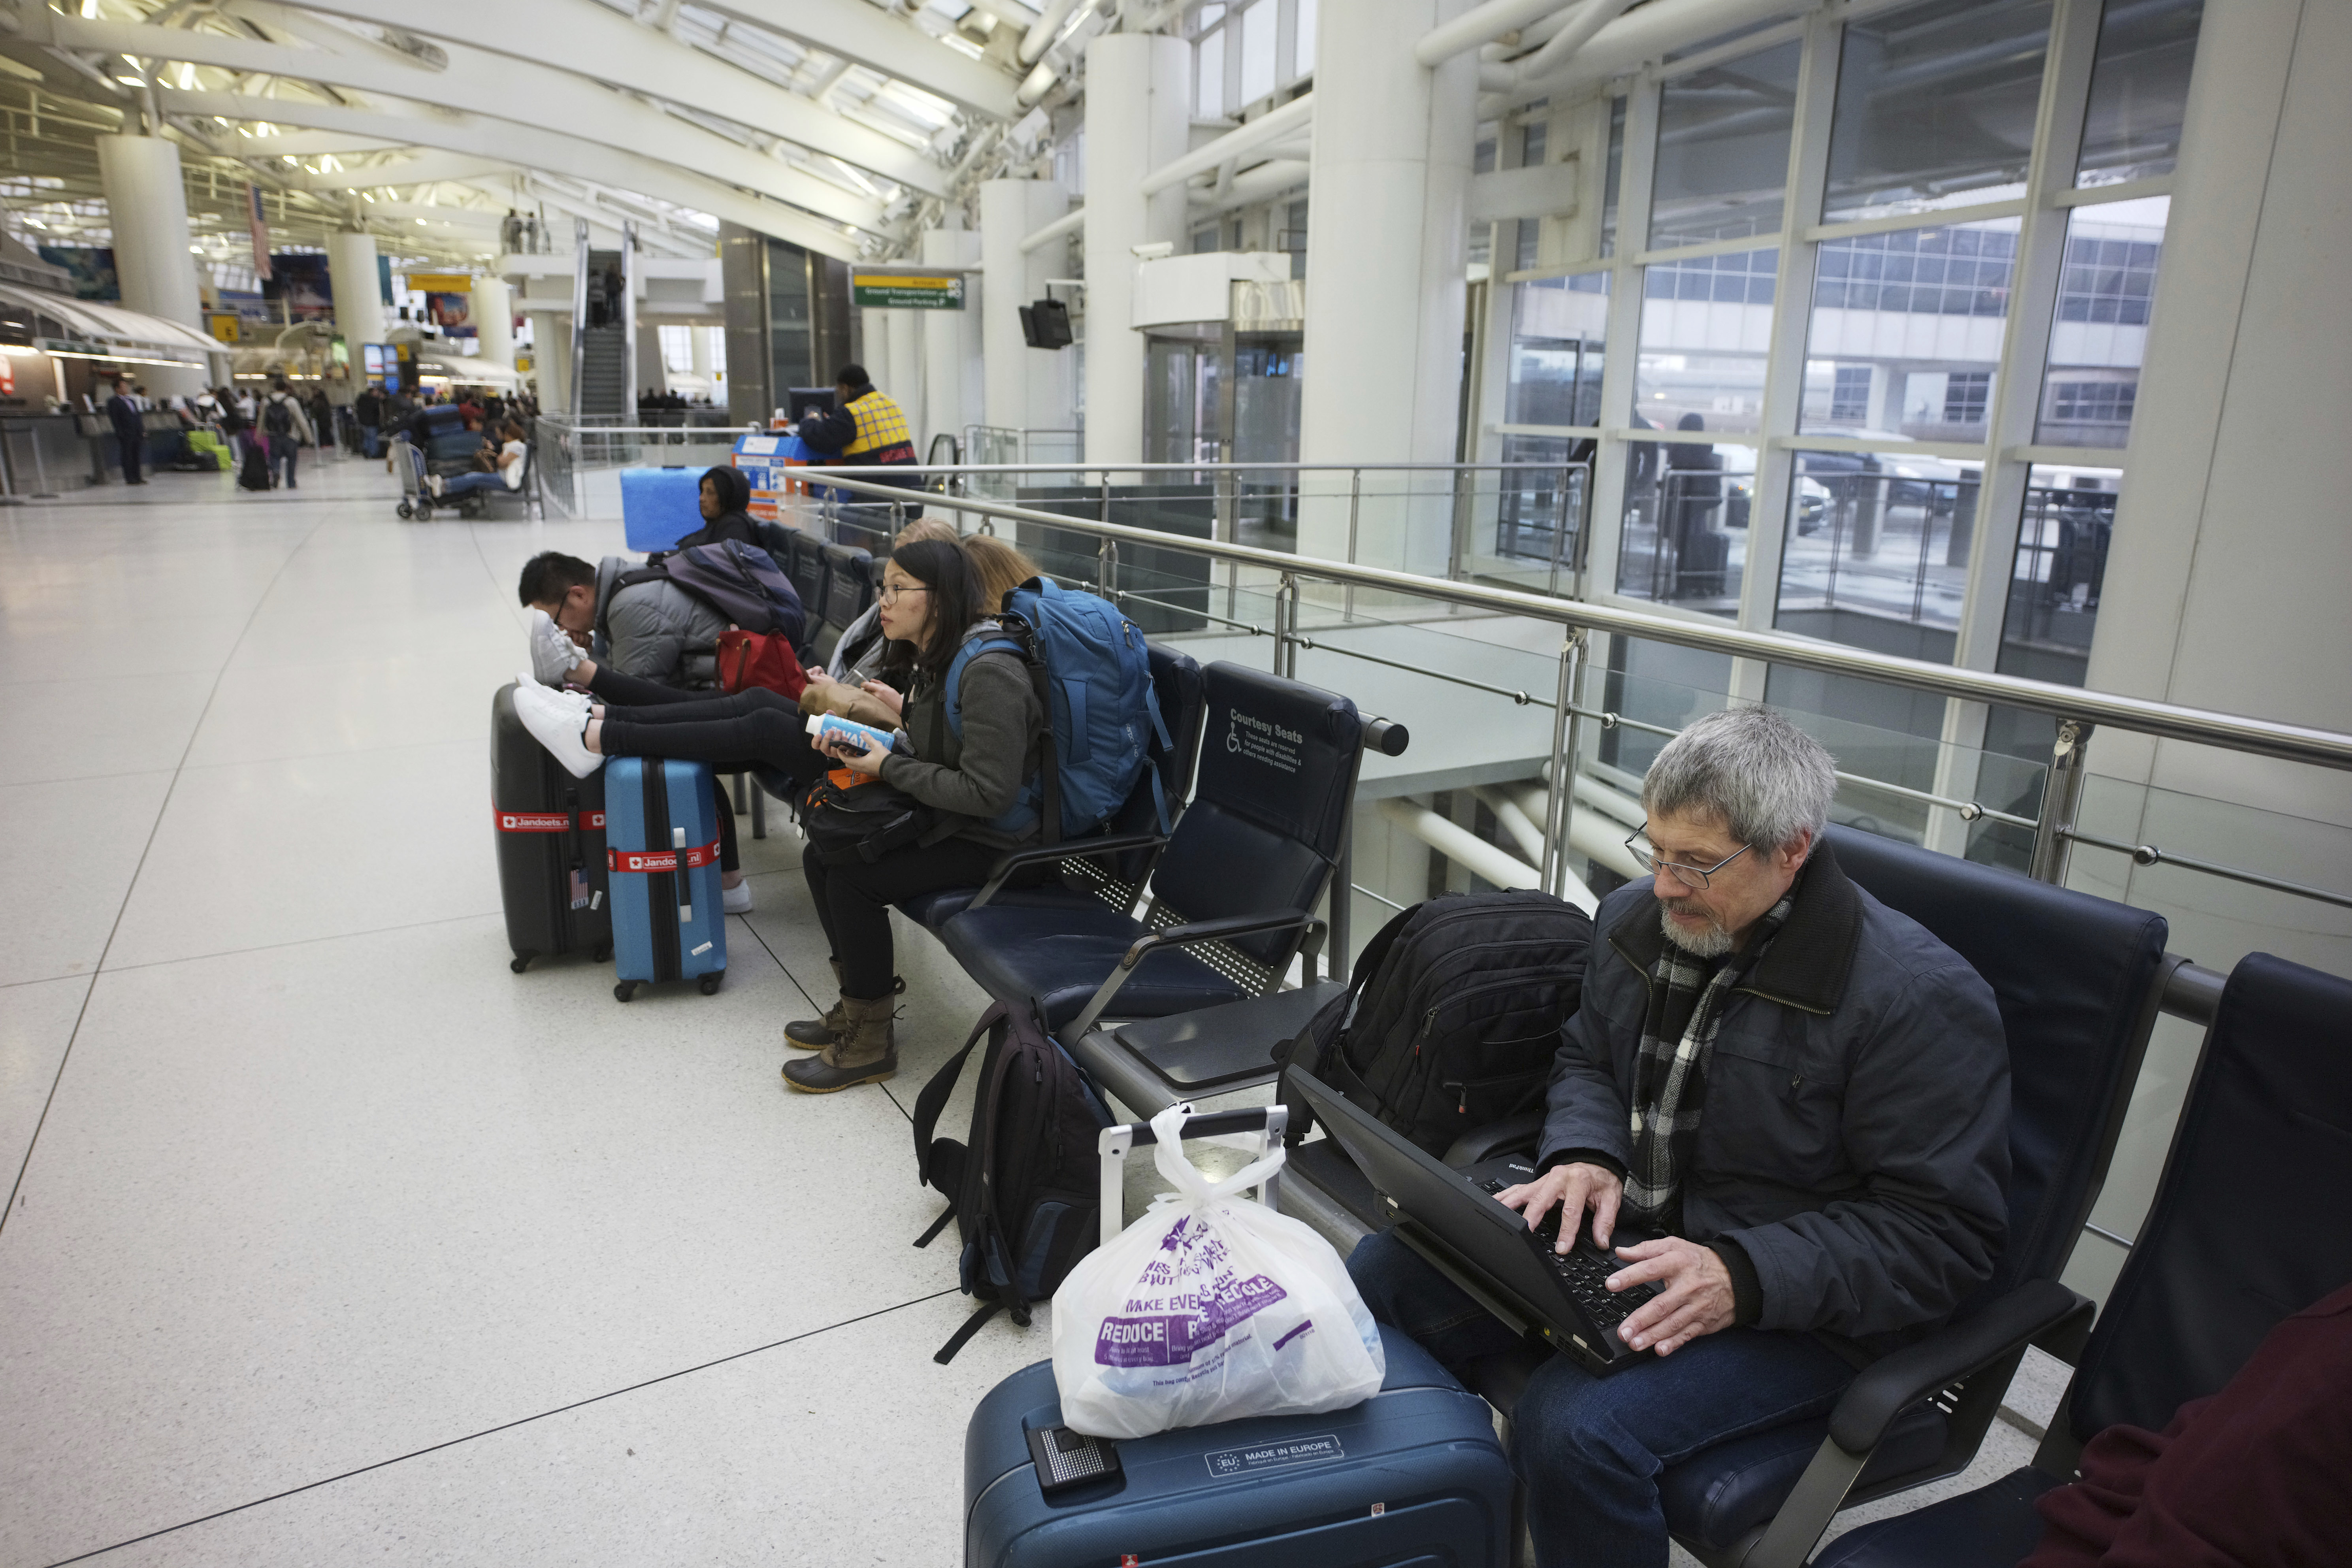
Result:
[{"x": 933, "y": 1100}]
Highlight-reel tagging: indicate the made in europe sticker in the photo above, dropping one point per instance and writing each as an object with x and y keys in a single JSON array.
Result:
[{"x": 1230, "y": 1462}]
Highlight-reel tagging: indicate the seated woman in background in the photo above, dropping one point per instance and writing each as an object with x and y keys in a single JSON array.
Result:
[
  {"x": 503, "y": 472},
  {"x": 1002, "y": 568},
  {"x": 930, "y": 604}
]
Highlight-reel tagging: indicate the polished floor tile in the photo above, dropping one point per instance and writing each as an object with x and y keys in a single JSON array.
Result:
[
  {"x": 36, "y": 1024},
  {"x": 74, "y": 844},
  {"x": 90, "y": 727},
  {"x": 260, "y": 854},
  {"x": 376, "y": 701},
  {"x": 843, "y": 1448}
]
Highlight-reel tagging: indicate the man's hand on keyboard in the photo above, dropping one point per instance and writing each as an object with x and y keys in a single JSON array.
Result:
[
  {"x": 1694, "y": 1293},
  {"x": 1574, "y": 1187}
]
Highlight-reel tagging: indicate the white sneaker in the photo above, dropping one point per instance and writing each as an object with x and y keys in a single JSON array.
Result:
[
  {"x": 579, "y": 700},
  {"x": 553, "y": 655},
  {"x": 556, "y": 724},
  {"x": 737, "y": 900}
]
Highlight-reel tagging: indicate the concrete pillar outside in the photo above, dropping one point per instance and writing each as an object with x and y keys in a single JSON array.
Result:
[
  {"x": 955, "y": 387},
  {"x": 493, "y": 312},
  {"x": 148, "y": 209},
  {"x": 359, "y": 293},
  {"x": 698, "y": 342},
  {"x": 1138, "y": 117},
  {"x": 1028, "y": 389},
  {"x": 1386, "y": 276}
]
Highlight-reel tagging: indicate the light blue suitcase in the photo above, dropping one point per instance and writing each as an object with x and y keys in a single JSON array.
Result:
[
  {"x": 660, "y": 505},
  {"x": 661, "y": 838}
]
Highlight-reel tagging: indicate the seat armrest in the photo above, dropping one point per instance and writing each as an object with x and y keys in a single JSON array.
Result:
[
  {"x": 1116, "y": 844},
  {"x": 1514, "y": 1134},
  {"x": 2037, "y": 1310},
  {"x": 1191, "y": 932},
  {"x": 1180, "y": 936}
]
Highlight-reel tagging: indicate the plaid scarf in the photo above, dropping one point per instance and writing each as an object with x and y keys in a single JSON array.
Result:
[{"x": 1687, "y": 994}]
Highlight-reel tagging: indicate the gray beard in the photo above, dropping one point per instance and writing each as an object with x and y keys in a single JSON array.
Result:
[{"x": 1711, "y": 942}]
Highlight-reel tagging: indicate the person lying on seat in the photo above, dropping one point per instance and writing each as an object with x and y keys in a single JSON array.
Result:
[
  {"x": 931, "y": 605},
  {"x": 1801, "y": 1093}
]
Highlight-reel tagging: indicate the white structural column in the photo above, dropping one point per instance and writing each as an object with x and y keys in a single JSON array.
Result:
[
  {"x": 1137, "y": 118},
  {"x": 493, "y": 312},
  {"x": 550, "y": 359},
  {"x": 954, "y": 381},
  {"x": 1028, "y": 389},
  {"x": 148, "y": 209},
  {"x": 1386, "y": 268},
  {"x": 651, "y": 375},
  {"x": 699, "y": 346},
  {"x": 902, "y": 374},
  {"x": 2225, "y": 586},
  {"x": 359, "y": 291}
]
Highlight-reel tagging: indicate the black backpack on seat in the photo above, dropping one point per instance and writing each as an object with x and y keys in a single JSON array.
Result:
[
  {"x": 1451, "y": 1015},
  {"x": 1025, "y": 1194}
]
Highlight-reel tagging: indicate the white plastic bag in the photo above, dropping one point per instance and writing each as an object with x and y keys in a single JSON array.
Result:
[{"x": 1208, "y": 1308}]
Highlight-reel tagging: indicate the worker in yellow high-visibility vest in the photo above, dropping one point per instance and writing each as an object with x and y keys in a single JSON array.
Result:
[{"x": 865, "y": 429}]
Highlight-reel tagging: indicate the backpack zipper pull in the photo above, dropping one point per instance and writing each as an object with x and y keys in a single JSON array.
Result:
[{"x": 1462, "y": 1108}]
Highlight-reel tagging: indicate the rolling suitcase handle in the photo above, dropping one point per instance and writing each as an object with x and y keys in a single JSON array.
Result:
[
  {"x": 685, "y": 888},
  {"x": 1267, "y": 1120}
]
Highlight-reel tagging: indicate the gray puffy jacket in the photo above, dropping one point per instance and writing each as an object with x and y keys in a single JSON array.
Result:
[
  {"x": 658, "y": 631},
  {"x": 1854, "y": 1147}
]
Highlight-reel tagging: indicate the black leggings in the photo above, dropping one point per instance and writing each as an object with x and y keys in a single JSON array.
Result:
[
  {"x": 854, "y": 901},
  {"x": 756, "y": 729}
]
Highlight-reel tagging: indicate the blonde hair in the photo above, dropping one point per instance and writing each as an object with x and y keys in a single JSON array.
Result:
[
  {"x": 924, "y": 527},
  {"x": 1000, "y": 568}
]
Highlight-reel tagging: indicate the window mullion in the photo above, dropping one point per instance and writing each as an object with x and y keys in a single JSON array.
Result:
[
  {"x": 1637, "y": 169},
  {"x": 1784, "y": 365},
  {"x": 2016, "y": 399}
]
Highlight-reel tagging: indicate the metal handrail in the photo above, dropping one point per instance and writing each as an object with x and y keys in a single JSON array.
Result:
[{"x": 2261, "y": 737}]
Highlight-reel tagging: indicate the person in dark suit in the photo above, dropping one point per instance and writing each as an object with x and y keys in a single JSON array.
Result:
[{"x": 129, "y": 432}]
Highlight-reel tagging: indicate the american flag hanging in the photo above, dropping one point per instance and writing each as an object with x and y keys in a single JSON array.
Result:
[{"x": 260, "y": 228}]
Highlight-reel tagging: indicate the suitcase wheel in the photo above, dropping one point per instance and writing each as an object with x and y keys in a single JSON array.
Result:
[
  {"x": 710, "y": 982},
  {"x": 625, "y": 990},
  {"x": 604, "y": 954},
  {"x": 406, "y": 511},
  {"x": 521, "y": 962}
]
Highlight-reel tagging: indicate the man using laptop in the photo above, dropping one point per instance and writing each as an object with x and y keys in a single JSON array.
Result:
[{"x": 1800, "y": 1093}]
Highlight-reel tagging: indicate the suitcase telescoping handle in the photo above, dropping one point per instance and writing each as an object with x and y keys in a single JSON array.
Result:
[
  {"x": 1267, "y": 1120},
  {"x": 685, "y": 887}
]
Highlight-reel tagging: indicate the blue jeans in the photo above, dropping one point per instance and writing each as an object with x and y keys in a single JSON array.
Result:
[
  {"x": 1588, "y": 1449},
  {"x": 466, "y": 484},
  {"x": 282, "y": 449},
  {"x": 368, "y": 446}
]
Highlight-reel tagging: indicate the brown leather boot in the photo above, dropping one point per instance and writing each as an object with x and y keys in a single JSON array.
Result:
[
  {"x": 865, "y": 1052},
  {"x": 815, "y": 1034}
]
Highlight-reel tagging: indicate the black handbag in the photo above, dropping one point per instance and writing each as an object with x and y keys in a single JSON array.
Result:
[{"x": 862, "y": 820}]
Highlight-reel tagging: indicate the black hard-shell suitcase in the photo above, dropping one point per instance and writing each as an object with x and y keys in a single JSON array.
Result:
[
  {"x": 551, "y": 835},
  {"x": 1412, "y": 1477}
]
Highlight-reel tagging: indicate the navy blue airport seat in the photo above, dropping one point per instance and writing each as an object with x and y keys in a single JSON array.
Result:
[
  {"x": 803, "y": 560},
  {"x": 1111, "y": 869},
  {"x": 2077, "y": 980},
  {"x": 849, "y": 585},
  {"x": 1243, "y": 869},
  {"x": 2245, "y": 1231}
]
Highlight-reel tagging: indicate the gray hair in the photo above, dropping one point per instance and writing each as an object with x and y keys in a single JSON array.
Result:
[{"x": 1764, "y": 778}]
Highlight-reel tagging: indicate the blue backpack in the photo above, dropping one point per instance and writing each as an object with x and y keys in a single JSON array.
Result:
[{"x": 1102, "y": 715}]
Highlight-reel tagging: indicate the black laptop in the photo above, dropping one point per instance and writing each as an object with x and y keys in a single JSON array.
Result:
[{"x": 1452, "y": 1218}]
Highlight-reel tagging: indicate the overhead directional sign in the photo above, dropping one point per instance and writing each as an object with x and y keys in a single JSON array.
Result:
[{"x": 906, "y": 292}]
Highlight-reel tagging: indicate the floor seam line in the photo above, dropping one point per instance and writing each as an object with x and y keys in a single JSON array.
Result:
[
  {"x": 299, "y": 942},
  {"x": 507, "y": 1426},
  {"x": 15, "y": 1187}
]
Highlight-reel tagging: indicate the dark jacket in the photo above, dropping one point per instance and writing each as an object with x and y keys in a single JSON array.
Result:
[
  {"x": 977, "y": 777},
  {"x": 1852, "y": 1153},
  {"x": 124, "y": 415},
  {"x": 734, "y": 494}
]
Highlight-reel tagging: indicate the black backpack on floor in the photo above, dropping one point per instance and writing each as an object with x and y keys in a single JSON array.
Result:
[
  {"x": 1451, "y": 1015},
  {"x": 1026, "y": 1192},
  {"x": 253, "y": 474}
]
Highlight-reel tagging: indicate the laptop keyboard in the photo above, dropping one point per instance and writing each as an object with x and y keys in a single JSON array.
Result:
[{"x": 1585, "y": 1272}]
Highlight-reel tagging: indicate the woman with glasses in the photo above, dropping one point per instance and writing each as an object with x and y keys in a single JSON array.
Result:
[{"x": 967, "y": 774}]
